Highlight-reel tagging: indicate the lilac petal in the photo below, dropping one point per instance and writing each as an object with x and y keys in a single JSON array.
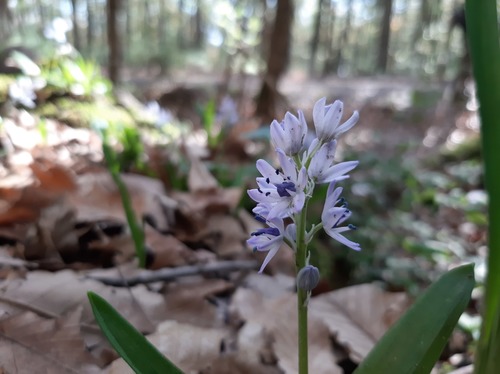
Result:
[
  {"x": 257, "y": 196},
  {"x": 347, "y": 125},
  {"x": 319, "y": 116},
  {"x": 334, "y": 233},
  {"x": 269, "y": 257},
  {"x": 288, "y": 166},
  {"x": 278, "y": 135},
  {"x": 279, "y": 210},
  {"x": 267, "y": 170},
  {"x": 337, "y": 172},
  {"x": 332, "y": 117}
]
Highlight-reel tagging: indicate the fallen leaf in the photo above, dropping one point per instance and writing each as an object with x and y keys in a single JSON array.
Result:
[
  {"x": 189, "y": 347},
  {"x": 58, "y": 339},
  {"x": 279, "y": 317},
  {"x": 358, "y": 316}
]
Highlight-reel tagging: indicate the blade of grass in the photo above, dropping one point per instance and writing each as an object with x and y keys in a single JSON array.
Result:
[
  {"x": 135, "y": 229},
  {"x": 415, "y": 342},
  {"x": 130, "y": 344},
  {"x": 482, "y": 29}
]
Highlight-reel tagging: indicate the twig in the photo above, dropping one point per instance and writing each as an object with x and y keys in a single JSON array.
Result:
[{"x": 170, "y": 274}]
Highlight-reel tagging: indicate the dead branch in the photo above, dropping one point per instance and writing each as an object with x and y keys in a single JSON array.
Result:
[{"x": 170, "y": 274}]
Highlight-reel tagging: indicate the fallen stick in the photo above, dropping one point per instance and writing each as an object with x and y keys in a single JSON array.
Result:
[{"x": 170, "y": 274}]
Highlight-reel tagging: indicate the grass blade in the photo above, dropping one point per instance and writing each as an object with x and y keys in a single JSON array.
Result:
[
  {"x": 414, "y": 343},
  {"x": 130, "y": 344},
  {"x": 482, "y": 30}
]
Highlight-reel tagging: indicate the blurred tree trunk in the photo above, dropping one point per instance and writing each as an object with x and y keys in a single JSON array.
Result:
[
  {"x": 329, "y": 45},
  {"x": 277, "y": 60},
  {"x": 41, "y": 14},
  {"x": 424, "y": 18},
  {"x": 162, "y": 31},
  {"x": 76, "y": 32},
  {"x": 128, "y": 22},
  {"x": 385, "y": 32},
  {"x": 198, "y": 26},
  {"x": 315, "y": 38},
  {"x": 113, "y": 9},
  {"x": 147, "y": 23},
  {"x": 5, "y": 20},
  {"x": 344, "y": 37},
  {"x": 181, "y": 42},
  {"x": 90, "y": 28}
]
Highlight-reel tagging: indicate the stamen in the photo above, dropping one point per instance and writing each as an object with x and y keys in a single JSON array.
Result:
[
  {"x": 268, "y": 193},
  {"x": 267, "y": 180},
  {"x": 284, "y": 187},
  {"x": 266, "y": 231},
  {"x": 352, "y": 227},
  {"x": 258, "y": 189},
  {"x": 277, "y": 171},
  {"x": 259, "y": 218}
]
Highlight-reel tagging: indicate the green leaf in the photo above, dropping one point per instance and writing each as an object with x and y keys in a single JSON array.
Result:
[
  {"x": 482, "y": 32},
  {"x": 130, "y": 344},
  {"x": 414, "y": 343}
]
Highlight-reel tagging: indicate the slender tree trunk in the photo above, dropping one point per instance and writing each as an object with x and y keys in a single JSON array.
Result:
[
  {"x": 5, "y": 20},
  {"x": 114, "y": 41},
  {"x": 344, "y": 36},
  {"x": 329, "y": 45},
  {"x": 385, "y": 32},
  {"x": 90, "y": 28},
  {"x": 315, "y": 38},
  {"x": 277, "y": 61},
  {"x": 76, "y": 31},
  {"x": 198, "y": 26},
  {"x": 181, "y": 42},
  {"x": 128, "y": 22}
]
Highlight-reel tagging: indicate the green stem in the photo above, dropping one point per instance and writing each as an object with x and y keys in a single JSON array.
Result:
[{"x": 300, "y": 262}]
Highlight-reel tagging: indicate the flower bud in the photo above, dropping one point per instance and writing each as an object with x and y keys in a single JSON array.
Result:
[{"x": 308, "y": 278}]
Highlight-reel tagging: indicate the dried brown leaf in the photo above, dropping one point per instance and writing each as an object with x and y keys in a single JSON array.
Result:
[{"x": 359, "y": 315}]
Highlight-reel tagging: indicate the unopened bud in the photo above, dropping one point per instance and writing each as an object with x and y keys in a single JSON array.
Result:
[{"x": 308, "y": 278}]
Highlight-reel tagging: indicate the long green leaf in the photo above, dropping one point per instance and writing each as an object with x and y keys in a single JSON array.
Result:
[
  {"x": 414, "y": 343},
  {"x": 130, "y": 344},
  {"x": 482, "y": 32}
]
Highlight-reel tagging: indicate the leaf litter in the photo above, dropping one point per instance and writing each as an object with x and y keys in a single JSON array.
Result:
[{"x": 62, "y": 227}]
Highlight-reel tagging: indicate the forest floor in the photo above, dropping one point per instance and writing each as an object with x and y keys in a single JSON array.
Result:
[{"x": 63, "y": 231}]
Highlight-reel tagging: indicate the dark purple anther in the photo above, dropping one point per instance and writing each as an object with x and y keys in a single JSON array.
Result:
[
  {"x": 267, "y": 231},
  {"x": 283, "y": 187}
]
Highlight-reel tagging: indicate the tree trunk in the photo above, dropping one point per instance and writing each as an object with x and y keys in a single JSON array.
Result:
[
  {"x": 277, "y": 61},
  {"x": 128, "y": 22},
  {"x": 385, "y": 31},
  {"x": 76, "y": 32},
  {"x": 90, "y": 28},
  {"x": 328, "y": 64},
  {"x": 198, "y": 26},
  {"x": 114, "y": 42},
  {"x": 315, "y": 38},
  {"x": 344, "y": 37},
  {"x": 5, "y": 20}
]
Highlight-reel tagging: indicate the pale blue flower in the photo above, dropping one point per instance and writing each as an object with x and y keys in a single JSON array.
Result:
[
  {"x": 289, "y": 134},
  {"x": 281, "y": 191},
  {"x": 268, "y": 239},
  {"x": 323, "y": 168},
  {"x": 327, "y": 119},
  {"x": 333, "y": 216}
]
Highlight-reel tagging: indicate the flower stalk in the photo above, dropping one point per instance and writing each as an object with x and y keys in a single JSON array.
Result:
[{"x": 283, "y": 193}]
